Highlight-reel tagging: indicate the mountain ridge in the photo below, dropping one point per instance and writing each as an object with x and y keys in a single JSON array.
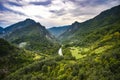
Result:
[
  {"x": 30, "y": 33},
  {"x": 20, "y": 24},
  {"x": 112, "y": 15}
]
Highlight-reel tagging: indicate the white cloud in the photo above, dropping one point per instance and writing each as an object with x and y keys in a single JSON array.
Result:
[
  {"x": 31, "y": 10},
  {"x": 25, "y": 2},
  {"x": 35, "y": 0},
  {"x": 7, "y": 18},
  {"x": 64, "y": 11}
]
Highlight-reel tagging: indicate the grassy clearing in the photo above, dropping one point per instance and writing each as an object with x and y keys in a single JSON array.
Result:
[
  {"x": 76, "y": 52},
  {"x": 36, "y": 57}
]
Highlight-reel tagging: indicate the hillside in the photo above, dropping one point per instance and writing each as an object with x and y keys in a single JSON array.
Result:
[
  {"x": 13, "y": 58},
  {"x": 69, "y": 32},
  {"x": 5, "y": 48}
]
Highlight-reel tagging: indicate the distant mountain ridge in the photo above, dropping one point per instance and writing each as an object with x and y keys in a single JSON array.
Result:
[{"x": 57, "y": 31}]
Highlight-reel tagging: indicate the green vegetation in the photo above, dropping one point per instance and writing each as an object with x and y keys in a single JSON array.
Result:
[{"x": 78, "y": 52}]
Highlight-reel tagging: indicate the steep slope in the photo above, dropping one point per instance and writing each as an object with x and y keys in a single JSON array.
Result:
[
  {"x": 57, "y": 31},
  {"x": 31, "y": 35},
  {"x": 70, "y": 31},
  {"x": 104, "y": 19}
]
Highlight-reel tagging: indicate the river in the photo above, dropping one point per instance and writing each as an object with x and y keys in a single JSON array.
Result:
[{"x": 60, "y": 52}]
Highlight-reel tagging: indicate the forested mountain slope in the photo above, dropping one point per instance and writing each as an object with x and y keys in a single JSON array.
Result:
[{"x": 30, "y": 35}]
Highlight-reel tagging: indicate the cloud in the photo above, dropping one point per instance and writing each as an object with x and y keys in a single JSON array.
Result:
[
  {"x": 52, "y": 12},
  {"x": 41, "y": 3},
  {"x": 7, "y": 17},
  {"x": 30, "y": 10}
]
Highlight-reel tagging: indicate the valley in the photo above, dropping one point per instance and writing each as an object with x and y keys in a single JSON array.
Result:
[{"x": 88, "y": 50}]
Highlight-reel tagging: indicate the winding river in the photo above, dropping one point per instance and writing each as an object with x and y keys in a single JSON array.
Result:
[{"x": 60, "y": 52}]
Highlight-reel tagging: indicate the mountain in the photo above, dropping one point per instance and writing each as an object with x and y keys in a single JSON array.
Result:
[
  {"x": 79, "y": 32},
  {"x": 19, "y": 25},
  {"x": 57, "y": 31},
  {"x": 30, "y": 35}
]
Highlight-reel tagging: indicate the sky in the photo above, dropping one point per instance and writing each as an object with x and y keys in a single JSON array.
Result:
[{"x": 51, "y": 13}]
